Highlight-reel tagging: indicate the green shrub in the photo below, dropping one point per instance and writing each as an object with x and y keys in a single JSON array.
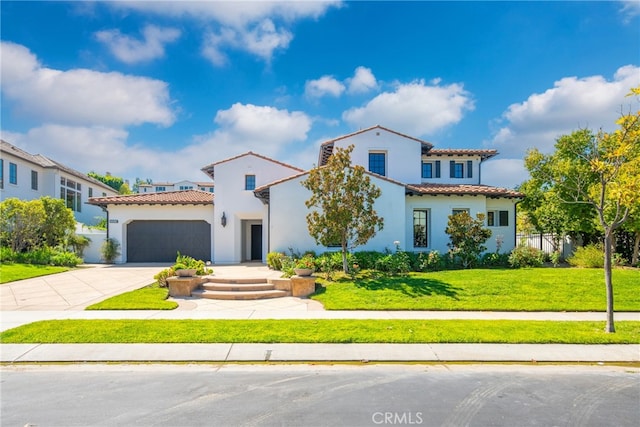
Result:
[
  {"x": 430, "y": 261},
  {"x": 366, "y": 259},
  {"x": 397, "y": 263},
  {"x": 110, "y": 250},
  {"x": 7, "y": 254},
  {"x": 162, "y": 276},
  {"x": 590, "y": 256},
  {"x": 65, "y": 259},
  {"x": 274, "y": 260},
  {"x": 494, "y": 259},
  {"x": 188, "y": 262},
  {"x": 525, "y": 256},
  {"x": 40, "y": 256}
]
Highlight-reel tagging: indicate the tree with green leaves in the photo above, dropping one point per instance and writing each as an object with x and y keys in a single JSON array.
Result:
[
  {"x": 601, "y": 171},
  {"x": 60, "y": 223},
  {"x": 467, "y": 237},
  {"x": 114, "y": 182},
  {"x": 342, "y": 200}
]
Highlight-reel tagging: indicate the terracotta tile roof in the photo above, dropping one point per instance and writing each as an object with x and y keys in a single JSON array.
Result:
[
  {"x": 462, "y": 189},
  {"x": 209, "y": 169},
  {"x": 484, "y": 154},
  {"x": 185, "y": 197},
  {"x": 326, "y": 148},
  {"x": 47, "y": 163}
]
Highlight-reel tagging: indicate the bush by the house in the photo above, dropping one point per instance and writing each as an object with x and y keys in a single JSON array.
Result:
[
  {"x": 467, "y": 237},
  {"x": 494, "y": 259},
  {"x": 274, "y": 260},
  {"x": 182, "y": 262},
  {"x": 525, "y": 256},
  {"x": 41, "y": 256},
  {"x": 590, "y": 256},
  {"x": 110, "y": 250},
  {"x": 396, "y": 263}
]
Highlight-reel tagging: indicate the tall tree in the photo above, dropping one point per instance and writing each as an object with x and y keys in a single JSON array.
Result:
[
  {"x": 467, "y": 237},
  {"x": 342, "y": 197},
  {"x": 600, "y": 170}
]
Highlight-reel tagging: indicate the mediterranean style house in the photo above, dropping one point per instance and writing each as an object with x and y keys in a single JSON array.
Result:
[
  {"x": 259, "y": 204},
  {"x": 158, "y": 187},
  {"x": 32, "y": 176}
]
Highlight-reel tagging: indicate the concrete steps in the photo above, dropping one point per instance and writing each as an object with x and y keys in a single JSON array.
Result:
[{"x": 238, "y": 289}]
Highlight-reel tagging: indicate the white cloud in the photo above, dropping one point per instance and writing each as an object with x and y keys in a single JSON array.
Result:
[
  {"x": 630, "y": 9},
  {"x": 362, "y": 81},
  {"x": 243, "y": 127},
  {"x": 325, "y": 85},
  {"x": 257, "y": 27},
  {"x": 131, "y": 50},
  {"x": 80, "y": 96},
  {"x": 415, "y": 108},
  {"x": 261, "y": 40},
  {"x": 573, "y": 103}
]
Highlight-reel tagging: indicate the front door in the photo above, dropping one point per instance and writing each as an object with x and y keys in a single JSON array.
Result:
[{"x": 256, "y": 242}]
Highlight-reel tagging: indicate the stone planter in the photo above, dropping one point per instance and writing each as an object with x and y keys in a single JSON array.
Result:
[
  {"x": 303, "y": 271},
  {"x": 186, "y": 272},
  {"x": 302, "y": 286},
  {"x": 183, "y": 286}
]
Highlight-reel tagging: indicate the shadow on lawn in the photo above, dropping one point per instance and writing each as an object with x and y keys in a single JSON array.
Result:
[{"x": 408, "y": 285}]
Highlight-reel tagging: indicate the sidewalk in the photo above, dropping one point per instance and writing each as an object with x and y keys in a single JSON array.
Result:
[{"x": 65, "y": 295}]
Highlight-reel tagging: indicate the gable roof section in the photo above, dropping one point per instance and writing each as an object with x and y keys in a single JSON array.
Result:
[
  {"x": 209, "y": 169},
  {"x": 461, "y": 190},
  {"x": 47, "y": 163},
  {"x": 184, "y": 197},
  {"x": 326, "y": 148},
  {"x": 484, "y": 154}
]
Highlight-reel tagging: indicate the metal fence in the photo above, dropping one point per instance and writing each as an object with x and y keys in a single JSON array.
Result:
[{"x": 545, "y": 242}]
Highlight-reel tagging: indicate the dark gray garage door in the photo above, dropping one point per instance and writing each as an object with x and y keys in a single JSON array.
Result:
[{"x": 159, "y": 241}]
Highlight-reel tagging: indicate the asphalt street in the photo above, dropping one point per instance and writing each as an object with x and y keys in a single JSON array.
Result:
[{"x": 322, "y": 395}]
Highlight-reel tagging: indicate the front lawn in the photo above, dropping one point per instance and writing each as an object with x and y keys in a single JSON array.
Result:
[
  {"x": 527, "y": 289},
  {"x": 151, "y": 297},
  {"x": 10, "y": 272},
  {"x": 321, "y": 331}
]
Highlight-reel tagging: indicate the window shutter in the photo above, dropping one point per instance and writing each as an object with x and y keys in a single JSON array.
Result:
[
  {"x": 469, "y": 169},
  {"x": 437, "y": 168},
  {"x": 452, "y": 169}
]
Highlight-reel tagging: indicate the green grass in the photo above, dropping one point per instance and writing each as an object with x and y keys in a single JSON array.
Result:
[
  {"x": 534, "y": 289},
  {"x": 10, "y": 272},
  {"x": 150, "y": 297},
  {"x": 320, "y": 331}
]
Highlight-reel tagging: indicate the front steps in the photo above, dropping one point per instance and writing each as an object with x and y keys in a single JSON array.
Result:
[{"x": 238, "y": 289}]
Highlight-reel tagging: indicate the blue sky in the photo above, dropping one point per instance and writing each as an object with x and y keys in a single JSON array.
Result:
[{"x": 160, "y": 89}]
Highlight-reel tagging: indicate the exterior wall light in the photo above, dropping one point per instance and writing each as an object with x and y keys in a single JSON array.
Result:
[{"x": 223, "y": 220}]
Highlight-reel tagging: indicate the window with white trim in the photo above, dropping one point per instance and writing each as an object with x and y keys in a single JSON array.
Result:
[
  {"x": 378, "y": 162},
  {"x": 249, "y": 182},
  {"x": 71, "y": 193},
  {"x": 498, "y": 218},
  {"x": 34, "y": 180}
]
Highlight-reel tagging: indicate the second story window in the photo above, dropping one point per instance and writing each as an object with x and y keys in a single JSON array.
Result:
[
  {"x": 461, "y": 169},
  {"x": 34, "y": 180},
  {"x": 13, "y": 173},
  {"x": 377, "y": 163},
  {"x": 71, "y": 193},
  {"x": 431, "y": 169},
  {"x": 186, "y": 187},
  {"x": 249, "y": 182},
  {"x": 161, "y": 188}
]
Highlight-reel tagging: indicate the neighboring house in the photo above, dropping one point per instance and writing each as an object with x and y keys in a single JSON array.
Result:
[
  {"x": 32, "y": 176},
  {"x": 259, "y": 204},
  {"x": 158, "y": 187}
]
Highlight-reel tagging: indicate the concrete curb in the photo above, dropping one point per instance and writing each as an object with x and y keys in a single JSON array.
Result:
[{"x": 38, "y": 353}]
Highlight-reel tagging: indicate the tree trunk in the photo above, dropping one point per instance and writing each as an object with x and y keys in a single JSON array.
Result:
[
  {"x": 636, "y": 249},
  {"x": 345, "y": 264},
  {"x": 608, "y": 241}
]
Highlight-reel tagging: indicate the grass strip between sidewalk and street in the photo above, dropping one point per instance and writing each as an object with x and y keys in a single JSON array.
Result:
[{"x": 322, "y": 331}]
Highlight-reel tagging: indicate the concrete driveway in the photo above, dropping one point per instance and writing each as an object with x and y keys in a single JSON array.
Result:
[{"x": 76, "y": 289}]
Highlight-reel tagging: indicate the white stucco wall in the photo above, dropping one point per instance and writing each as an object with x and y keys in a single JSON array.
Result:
[
  {"x": 121, "y": 215},
  {"x": 240, "y": 206},
  {"x": 288, "y": 224},
  {"x": 445, "y": 168},
  {"x": 402, "y": 154}
]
